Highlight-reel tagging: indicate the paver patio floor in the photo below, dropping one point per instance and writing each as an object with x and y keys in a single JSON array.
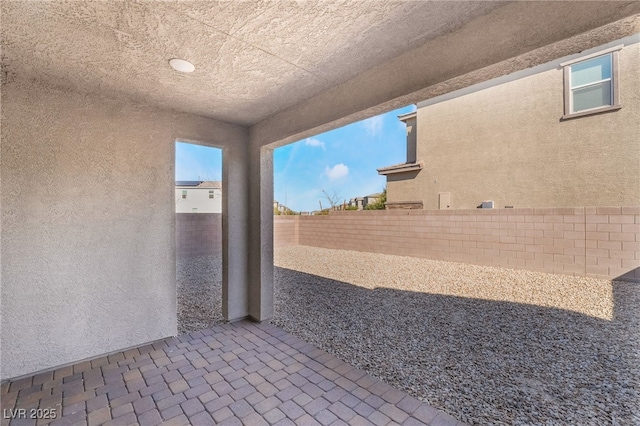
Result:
[{"x": 233, "y": 374}]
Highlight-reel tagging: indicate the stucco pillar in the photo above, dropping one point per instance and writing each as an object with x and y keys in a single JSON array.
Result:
[
  {"x": 260, "y": 233},
  {"x": 235, "y": 232}
]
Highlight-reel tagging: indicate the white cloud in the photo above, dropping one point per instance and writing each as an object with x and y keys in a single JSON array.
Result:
[
  {"x": 336, "y": 172},
  {"x": 314, "y": 142},
  {"x": 373, "y": 125}
]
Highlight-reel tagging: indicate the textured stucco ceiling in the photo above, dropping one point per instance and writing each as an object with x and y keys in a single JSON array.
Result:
[{"x": 253, "y": 59}]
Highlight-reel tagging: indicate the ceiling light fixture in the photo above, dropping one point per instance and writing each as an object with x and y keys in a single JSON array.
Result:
[{"x": 181, "y": 65}]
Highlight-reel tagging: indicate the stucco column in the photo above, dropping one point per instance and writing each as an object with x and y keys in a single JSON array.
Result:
[
  {"x": 260, "y": 233},
  {"x": 235, "y": 232}
]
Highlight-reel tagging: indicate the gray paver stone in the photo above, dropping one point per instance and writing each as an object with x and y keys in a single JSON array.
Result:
[
  {"x": 292, "y": 410},
  {"x": 317, "y": 405},
  {"x": 444, "y": 419},
  {"x": 425, "y": 413},
  {"x": 267, "y": 404},
  {"x": 325, "y": 417},
  {"x": 99, "y": 416},
  {"x": 374, "y": 401},
  {"x": 121, "y": 410},
  {"x": 218, "y": 403},
  {"x": 408, "y": 404},
  {"x": 222, "y": 414},
  {"x": 202, "y": 419},
  {"x": 379, "y": 419},
  {"x": 171, "y": 412},
  {"x": 274, "y": 415},
  {"x": 191, "y": 407},
  {"x": 342, "y": 411},
  {"x": 143, "y": 404},
  {"x": 241, "y": 408},
  {"x": 254, "y": 419},
  {"x": 364, "y": 409},
  {"x": 307, "y": 420},
  {"x": 412, "y": 421},
  {"x": 360, "y": 421},
  {"x": 151, "y": 417},
  {"x": 171, "y": 401},
  {"x": 285, "y": 422}
]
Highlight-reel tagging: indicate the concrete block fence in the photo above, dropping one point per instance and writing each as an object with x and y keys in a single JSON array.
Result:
[
  {"x": 198, "y": 234},
  {"x": 285, "y": 230},
  {"x": 602, "y": 242}
]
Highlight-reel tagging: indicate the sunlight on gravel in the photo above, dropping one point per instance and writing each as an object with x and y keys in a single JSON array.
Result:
[{"x": 588, "y": 296}]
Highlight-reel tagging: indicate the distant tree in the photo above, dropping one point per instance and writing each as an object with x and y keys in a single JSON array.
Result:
[
  {"x": 289, "y": 212},
  {"x": 379, "y": 204},
  {"x": 286, "y": 211},
  {"x": 333, "y": 199}
]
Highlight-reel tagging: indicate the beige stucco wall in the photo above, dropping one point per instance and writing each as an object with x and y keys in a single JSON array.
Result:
[
  {"x": 506, "y": 143},
  {"x": 88, "y": 227}
]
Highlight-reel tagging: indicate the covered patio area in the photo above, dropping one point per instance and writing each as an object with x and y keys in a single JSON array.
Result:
[{"x": 91, "y": 111}]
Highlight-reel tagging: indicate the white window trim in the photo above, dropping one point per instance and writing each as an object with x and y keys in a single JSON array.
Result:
[{"x": 615, "y": 101}]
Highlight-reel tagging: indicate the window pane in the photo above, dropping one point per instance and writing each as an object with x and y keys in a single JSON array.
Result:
[
  {"x": 595, "y": 69},
  {"x": 589, "y": 97}
]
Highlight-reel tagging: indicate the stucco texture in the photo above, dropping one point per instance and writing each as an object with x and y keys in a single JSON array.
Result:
[
  {"x": 507, "y": 144},
  {"x": 88, "y": 225}
]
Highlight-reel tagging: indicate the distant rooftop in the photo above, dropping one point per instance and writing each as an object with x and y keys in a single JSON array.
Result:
[{"x": 199, "y": 183}]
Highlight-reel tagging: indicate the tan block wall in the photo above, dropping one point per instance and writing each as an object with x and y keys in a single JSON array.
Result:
[
  {"x": 285, "y": 230},
  {"x": 198, "y": 234},
  {"x": 601, "y": 242},
  {"x": 507, "y": 144}
]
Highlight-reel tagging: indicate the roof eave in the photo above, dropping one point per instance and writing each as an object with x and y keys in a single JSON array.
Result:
[{"x": 403, "y": 168}]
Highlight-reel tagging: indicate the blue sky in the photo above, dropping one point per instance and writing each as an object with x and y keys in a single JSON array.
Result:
[
  {"x": 342, "y": 162},
  {"x": 197, "y": 162}
]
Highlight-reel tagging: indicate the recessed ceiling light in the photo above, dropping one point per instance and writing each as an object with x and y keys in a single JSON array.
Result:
[{"x": 181, "y": 65}]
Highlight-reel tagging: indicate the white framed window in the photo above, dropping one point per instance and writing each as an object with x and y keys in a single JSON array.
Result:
[
  {"x": 591, "y": 84},
  {"x": 211, "y": 193},
  {"x": 184, "y": 193}
]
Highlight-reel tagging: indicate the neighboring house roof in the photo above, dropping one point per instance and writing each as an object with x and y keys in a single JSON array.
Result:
[
  {"x": 405, "y": 117},
  {"x": 199, "y": 184},
  {"x": 188, "y": 182},
  {"x": 401, "y": 168},
  {"x": 210, "y": 184}
]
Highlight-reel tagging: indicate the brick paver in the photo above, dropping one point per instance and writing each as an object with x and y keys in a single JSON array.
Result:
[{"x": 240, "y": 373}]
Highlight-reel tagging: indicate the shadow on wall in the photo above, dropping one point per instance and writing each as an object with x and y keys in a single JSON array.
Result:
[
  {"x": 631, "y": 276},
  {"x": 481, "y": 361}
]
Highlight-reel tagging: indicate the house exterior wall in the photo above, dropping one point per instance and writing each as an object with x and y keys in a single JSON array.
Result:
[
  {"x": 88, "y": 223},
  {"x": 198, "y": 199},
  {"x": 506, "y": 143}
]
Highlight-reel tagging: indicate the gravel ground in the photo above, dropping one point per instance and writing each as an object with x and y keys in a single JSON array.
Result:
[
  {"x": 487, "y": 345},
  {"x": 199, "y": 282}
]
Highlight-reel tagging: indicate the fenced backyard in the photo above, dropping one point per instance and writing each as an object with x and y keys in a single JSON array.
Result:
[{"x": 488, "y": 344}]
